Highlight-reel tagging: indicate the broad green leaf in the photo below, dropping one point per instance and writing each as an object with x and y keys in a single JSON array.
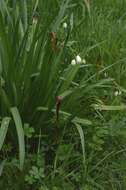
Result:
[
  {"x": 5, "y": 99},
  {"x": 3, "y": 130},
  {"x": 69, "y": 76},
  {"x": 20, "y": 132},
  {"x": 65, "y": 94}
]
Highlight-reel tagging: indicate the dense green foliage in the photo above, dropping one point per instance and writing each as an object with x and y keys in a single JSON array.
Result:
[{"x": 63, "y": 125}]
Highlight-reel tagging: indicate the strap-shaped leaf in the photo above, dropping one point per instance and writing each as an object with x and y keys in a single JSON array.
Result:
[
  {"x": 20, "y": 133},
  {"x": 69, "y": 75}
]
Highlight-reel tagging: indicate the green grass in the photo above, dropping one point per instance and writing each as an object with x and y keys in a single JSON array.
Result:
[{"x": 62, "y": 125}]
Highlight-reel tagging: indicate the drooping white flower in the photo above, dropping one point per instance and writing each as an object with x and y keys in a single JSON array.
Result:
[
  {"x": 35, "y": 20},
  {"x": 120, "y": 92},
  {"x": 105, "y": 74},
  {"x": 73, "y": 62},
  {"x": 64, "y": 25},
  {"x": 84, "y": 61},
  {"x": 78, "y": 59},
  {"x": 117, "y": 93}
]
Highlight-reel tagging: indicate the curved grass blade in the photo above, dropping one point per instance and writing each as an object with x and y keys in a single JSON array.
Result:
[
  {"x": 20, "y": 133},
  {"x": 82, "y": 121},
  {"x": 80, "y": 131}
]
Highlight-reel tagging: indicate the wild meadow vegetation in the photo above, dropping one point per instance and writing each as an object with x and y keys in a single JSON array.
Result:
[{"x": 62, "y": 95}]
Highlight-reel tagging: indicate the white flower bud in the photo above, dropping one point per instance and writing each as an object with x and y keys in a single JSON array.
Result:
[
  {"x": 73, "y": 62},
  {"x": 120, "y": 92},
  {"x": 84, "y": 61},
  {"x": 117, "y": 93},
  {"x": 35, "y": 20},
  {"x": 64, "y": 25},
  {"x": 105, "y": 74},
  {"x": 78, "y": 59}
]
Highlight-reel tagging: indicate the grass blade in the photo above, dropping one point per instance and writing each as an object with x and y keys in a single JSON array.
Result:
[
  {"x": 3, "y": 130},
  {"x": 109, "y": 108},
  {"x": 2, "y": 167},
  {"x": 87, "y": 3},
  {"x": 82, "y": 121},
  {"x": 80, "y": 131}
]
